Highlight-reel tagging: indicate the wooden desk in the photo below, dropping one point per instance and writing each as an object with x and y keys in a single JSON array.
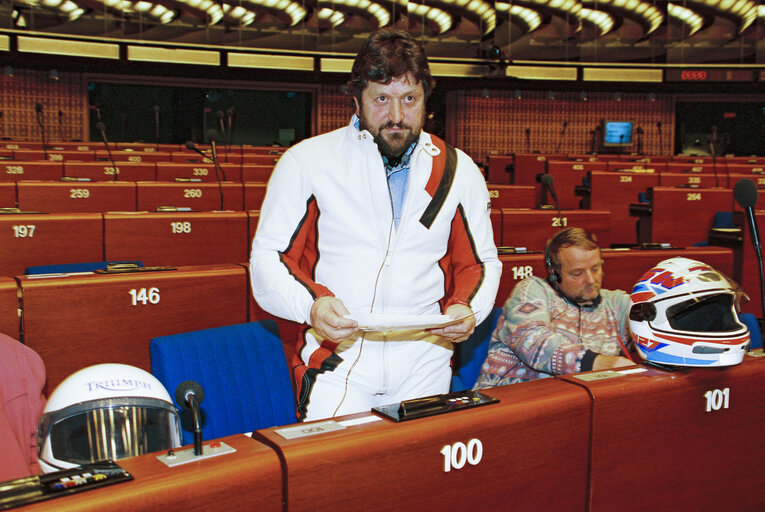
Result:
[
  {"x": 692, "y": 179},
  {"x": 533, "y": 456},
  {"x": 623, "y": 267},
  {"x": 197, "y": 196},
  {"x": 526, "y": 168},
  {"x": 682, "y": 216},
  {"x": 695, "y": 167},
  {"x": 23, "y": 170},
  {"x": 74, "y": 321},
  {"x": 260, "y": 158},
  {"x": 568, "y": 175},
  {"x": 120, "y": 156},
  {"x": 176, "y": 238},
  {"x": 254, "y": 193},
  {"x": 255, "y": 172},
  {"x": 630, "y": 166},
  {"x": 516, "y": 267},
  {"x": 745, "y": 168},
  {"x": 7, "y": 195},
  {"x": 659, "y": 441},
  {"x": 512, "y": 196},
  {"x": 169, "y": 171},
  {"x": 28, "y": 240},
  {"x": 104, "y": 171},
  {"x": 249, "y": 479},
  {"x": 64, "y": 197},
  {"x": 54, "y": 155},
  {"x": 532, "y": 228},
  {"x": 9, "y": 307},
  {"x": 614, "y": 191},
  {"x": 498, "y": 172}
]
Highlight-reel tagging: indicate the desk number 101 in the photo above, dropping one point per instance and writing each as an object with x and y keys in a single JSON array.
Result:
[{"x": 717, "y": 399}]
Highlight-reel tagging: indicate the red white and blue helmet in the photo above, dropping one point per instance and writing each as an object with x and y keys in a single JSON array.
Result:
[{"x": 683, "y": 313}]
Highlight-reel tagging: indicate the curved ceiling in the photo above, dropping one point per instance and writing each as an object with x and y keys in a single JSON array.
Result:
[{"x": 630, "y": 31}]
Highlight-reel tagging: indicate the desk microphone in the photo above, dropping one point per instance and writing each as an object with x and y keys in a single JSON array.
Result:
[
  {"x": 745, "y": 193},
  {"x": 102, "y": 129},
  {"x": 547, "y": 182},
  {"x": 230, "y": 116},
  {"x": 156, "y": 126},
  {"x": 38, "y": 110},
  {"x": 560, "y": 136},
  {"x": 189, "y": 395},
  {"x": 220, "y": 115},
  {"x": 190, "y": 146}
]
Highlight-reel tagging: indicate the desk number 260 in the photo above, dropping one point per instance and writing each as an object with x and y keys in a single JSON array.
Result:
[{"x": 457, "y": 454}]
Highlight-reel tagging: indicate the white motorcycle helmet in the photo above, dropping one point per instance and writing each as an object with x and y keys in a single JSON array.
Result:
[
  {"x": 683, "y": 313},
  {"x": 106, "y": 411}
]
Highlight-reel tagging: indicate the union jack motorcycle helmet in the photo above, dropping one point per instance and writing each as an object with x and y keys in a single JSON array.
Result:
[{"x": 683, "y": 313}]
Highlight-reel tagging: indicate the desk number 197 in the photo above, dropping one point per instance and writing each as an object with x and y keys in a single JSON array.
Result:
[
  {"x": 457, "y": 454},
  {"x": 717, "y": 399}
]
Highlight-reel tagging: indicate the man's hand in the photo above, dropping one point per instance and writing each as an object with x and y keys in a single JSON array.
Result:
[
  {"x": 327, "y": 319},
  {"x": 458, "y": 332},
  {"x": 602, "y": 362}
]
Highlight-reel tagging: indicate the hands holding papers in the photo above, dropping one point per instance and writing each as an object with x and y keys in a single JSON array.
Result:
[{"x": 331, "y": 320}]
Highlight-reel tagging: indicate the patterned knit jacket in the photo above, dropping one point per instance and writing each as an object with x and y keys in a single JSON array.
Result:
[{"x": 540, "y": 333}]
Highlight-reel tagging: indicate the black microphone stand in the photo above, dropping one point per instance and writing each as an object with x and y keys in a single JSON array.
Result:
[{"x": 38, "y": 109}]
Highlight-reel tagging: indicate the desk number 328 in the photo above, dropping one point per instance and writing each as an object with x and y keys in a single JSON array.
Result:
[{"x": 457, "y": 454}]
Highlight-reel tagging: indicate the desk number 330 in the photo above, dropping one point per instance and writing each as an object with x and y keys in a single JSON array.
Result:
[{"x": 457, "y": 454}]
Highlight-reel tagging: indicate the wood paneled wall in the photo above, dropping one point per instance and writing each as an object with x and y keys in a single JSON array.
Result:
[
  {"x": 484, "y": 122},
  {"x": 64, "y": 102}
]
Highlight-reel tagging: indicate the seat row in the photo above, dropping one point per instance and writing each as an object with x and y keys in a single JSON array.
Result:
[
  {"x": 105, "y": 196},
  {"x": 76, "y": 319},
  {"x": 193, "y": 170}
]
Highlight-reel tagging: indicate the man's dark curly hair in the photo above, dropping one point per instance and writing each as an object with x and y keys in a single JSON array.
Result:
[{"x": 388, "y": 54}]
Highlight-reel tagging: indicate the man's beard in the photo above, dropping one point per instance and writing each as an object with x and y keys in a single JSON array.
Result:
[{"x": 405, "y": 139}]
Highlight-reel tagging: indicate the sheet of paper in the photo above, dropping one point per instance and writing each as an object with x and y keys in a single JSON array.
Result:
[{"x": 383, "y": 322}]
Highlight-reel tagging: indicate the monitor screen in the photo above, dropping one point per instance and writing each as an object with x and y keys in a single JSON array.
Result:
[{"x": 617, "y": 133}]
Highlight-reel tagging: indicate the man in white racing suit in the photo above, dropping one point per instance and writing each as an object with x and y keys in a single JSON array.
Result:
[{"x": 376, "y": 217}]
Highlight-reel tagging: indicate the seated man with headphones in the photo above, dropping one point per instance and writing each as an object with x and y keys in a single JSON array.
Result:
[{"x": 562, "y": 324}]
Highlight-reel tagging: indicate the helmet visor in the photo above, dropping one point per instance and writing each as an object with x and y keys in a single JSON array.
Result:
[
  {"x": 711, "y": 313},
  {"x": 112, "y": 429}
]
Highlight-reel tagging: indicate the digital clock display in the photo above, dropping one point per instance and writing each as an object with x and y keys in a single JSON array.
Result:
[{"x": 709, "y": 75}]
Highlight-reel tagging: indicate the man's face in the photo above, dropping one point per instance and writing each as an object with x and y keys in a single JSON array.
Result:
[
  {"x": 393, "y": 113},
  {"x": 581, "y": 273}
]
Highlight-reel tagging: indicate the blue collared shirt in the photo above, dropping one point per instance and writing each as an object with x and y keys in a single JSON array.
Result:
[{"x": 398, "y": 178}]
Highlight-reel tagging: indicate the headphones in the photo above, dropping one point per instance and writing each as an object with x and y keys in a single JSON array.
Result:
[{"x": 552, "y": 274}]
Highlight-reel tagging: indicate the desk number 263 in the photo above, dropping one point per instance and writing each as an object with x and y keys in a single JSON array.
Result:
[{"x": 457, "y": 454}]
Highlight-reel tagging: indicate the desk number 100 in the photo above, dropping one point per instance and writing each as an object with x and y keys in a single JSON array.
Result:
[
  {"x": 717, "y": 399},
  {"x": 457, "y": 454}
]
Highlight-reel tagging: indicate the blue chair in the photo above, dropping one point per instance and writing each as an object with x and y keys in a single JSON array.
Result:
[
  {"x": 751, "y": 323},
  {"x": 243, "y": 373},
  {"x": 471, "y": 353}
]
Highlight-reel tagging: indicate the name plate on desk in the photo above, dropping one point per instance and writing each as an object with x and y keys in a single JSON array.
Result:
[{"x": 309, "y": 429}]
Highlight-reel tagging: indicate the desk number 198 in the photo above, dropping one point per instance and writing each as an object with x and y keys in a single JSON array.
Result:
[
  {"x": 717, "y": 399},
  {"x": 457, "y": 454}
]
